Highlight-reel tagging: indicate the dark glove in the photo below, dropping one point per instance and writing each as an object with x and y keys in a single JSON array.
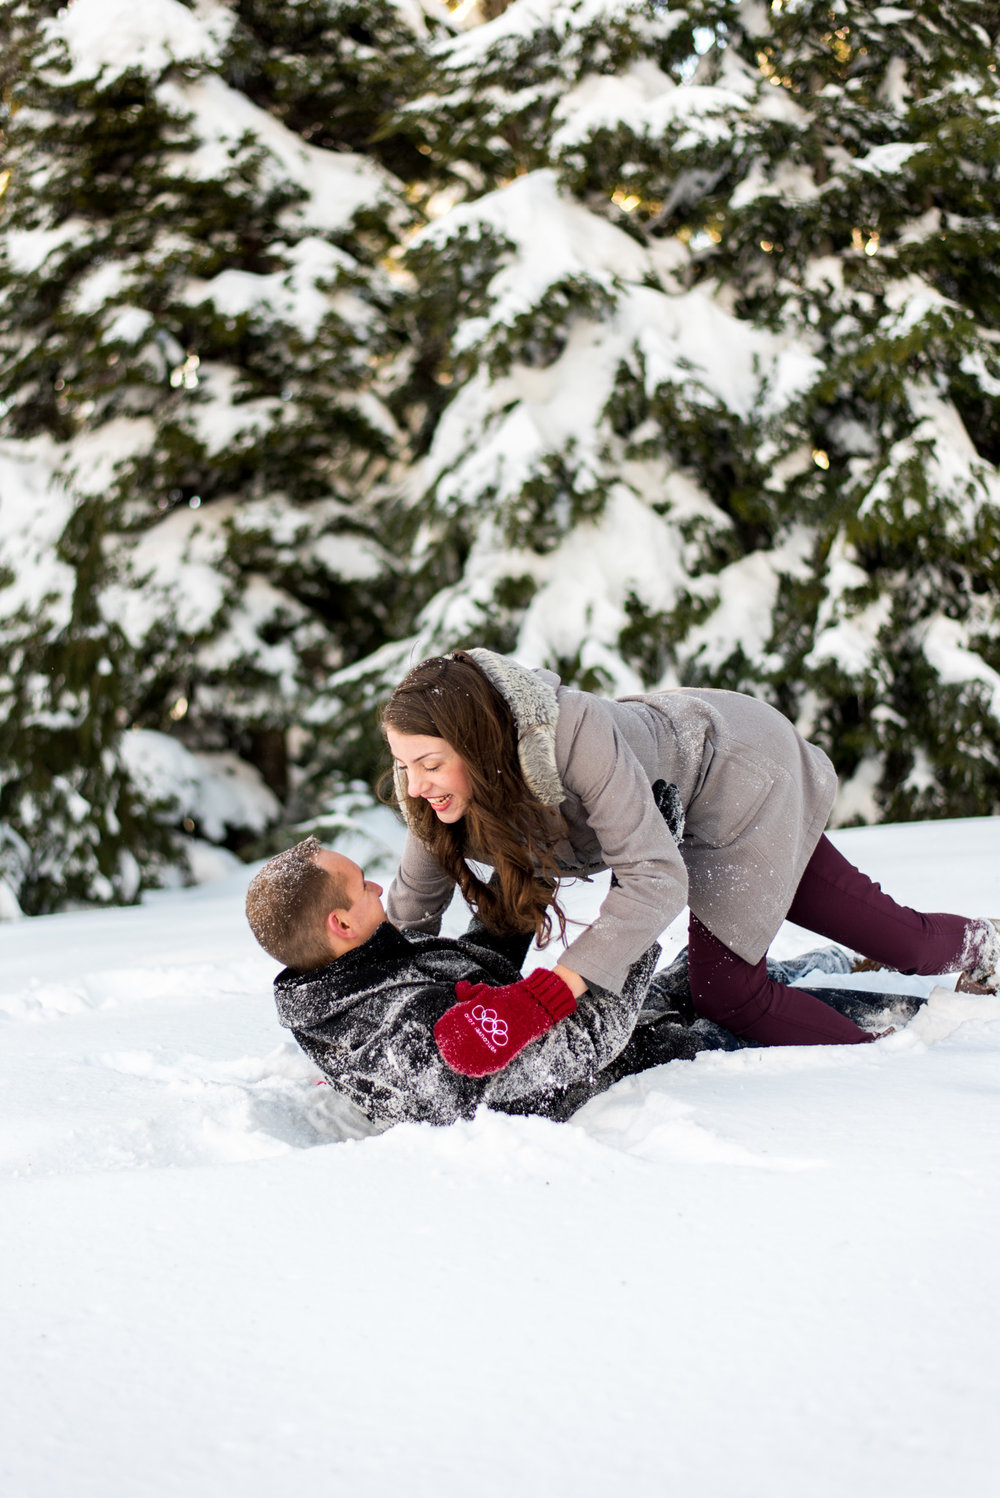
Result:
[
  {"x": 670, "y": 806},
  {"x": 490, "y": 1026}
]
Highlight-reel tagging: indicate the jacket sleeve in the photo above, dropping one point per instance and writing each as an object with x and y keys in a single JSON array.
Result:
[
  {"x": 421, "y": 891},
  {"x": 650, "y": 886},
  {"x": 558, "y": 1073}
]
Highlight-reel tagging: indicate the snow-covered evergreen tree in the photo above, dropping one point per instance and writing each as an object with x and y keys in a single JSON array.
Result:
[
  {"x": 547, "y": 515},
  {"x": 192, "y": 323},
  {"x": 714, "y": 339},
  {"x": 854, "y": 208}
]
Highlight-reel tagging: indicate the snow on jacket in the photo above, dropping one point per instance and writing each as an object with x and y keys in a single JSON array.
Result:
[
  {"x": 367, "y": 1021},
  {"x": 756, "y": 798}
]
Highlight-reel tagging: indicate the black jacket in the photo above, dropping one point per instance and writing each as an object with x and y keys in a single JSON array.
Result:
[{"x": 367, "y": 1021}]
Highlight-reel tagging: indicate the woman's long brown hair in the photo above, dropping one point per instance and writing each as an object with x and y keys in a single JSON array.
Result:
[{"x": 448, "y": 697}]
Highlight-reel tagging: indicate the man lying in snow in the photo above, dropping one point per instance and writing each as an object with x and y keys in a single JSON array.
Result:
[{"x": 362, "y": 999}]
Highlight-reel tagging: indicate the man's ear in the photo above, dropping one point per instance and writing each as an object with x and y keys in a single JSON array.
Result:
[{"x": 338, "y": 924}]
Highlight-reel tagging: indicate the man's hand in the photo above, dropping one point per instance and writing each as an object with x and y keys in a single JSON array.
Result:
[{"x": 490, "y": 1026}]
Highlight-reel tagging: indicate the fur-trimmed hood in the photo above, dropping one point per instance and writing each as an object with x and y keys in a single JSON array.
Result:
[{"x": 531, "y": 697}]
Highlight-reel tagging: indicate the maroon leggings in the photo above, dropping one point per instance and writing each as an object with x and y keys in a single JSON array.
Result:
[{"x": 836, "y": 900}]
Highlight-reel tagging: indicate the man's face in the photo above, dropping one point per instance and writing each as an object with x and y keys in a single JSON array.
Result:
[{"x": 365, "y": 909}]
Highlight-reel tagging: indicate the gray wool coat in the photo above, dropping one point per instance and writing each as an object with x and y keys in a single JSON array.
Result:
[{"x": 756, "y": 796}]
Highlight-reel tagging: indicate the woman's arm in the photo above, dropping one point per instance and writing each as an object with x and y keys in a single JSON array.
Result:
[
  {"x": 421, "y": 891},
  {"x": 615, "y": 794},
  {"x": 573, "y": 981}
]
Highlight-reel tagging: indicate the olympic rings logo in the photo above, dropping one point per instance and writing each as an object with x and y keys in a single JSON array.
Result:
[{"x": 490, "y": 1024}]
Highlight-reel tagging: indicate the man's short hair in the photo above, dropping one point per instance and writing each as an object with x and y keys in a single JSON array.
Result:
[{"x": 288, "y": 901}]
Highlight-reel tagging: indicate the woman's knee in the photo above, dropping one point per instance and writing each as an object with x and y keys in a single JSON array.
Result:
[{"x": 733, "y": 999}]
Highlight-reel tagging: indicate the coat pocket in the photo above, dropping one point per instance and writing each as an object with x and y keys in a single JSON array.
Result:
[{"x": 729, "y": 799}]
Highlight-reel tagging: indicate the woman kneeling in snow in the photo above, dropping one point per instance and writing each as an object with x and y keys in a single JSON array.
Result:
[{"x": 503, "y": 765}]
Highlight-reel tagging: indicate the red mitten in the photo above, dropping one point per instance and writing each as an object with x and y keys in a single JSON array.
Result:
[{"x": 490, "y": 1026}]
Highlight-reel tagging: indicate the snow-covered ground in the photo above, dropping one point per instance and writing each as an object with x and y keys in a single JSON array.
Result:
[{"x": 765, "y": 1274}]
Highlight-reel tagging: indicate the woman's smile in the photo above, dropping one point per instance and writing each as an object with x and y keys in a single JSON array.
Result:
[{"x": 434, "y": 772}]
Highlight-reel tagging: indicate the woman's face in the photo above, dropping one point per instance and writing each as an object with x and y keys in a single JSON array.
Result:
[{"x": 434, "y": 773}]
